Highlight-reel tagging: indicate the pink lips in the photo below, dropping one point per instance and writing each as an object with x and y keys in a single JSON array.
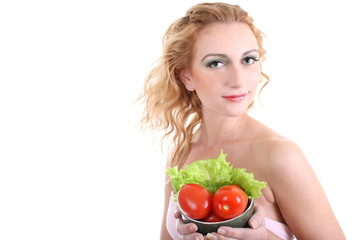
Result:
[{"x": 235, "y": 98}]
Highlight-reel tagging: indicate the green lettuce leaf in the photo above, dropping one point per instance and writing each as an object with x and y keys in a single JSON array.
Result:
[
  {"x": 213, "y": 174},
  {"x": 247, "y": 182}
]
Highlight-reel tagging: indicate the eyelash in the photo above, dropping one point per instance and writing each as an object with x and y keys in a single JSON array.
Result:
[
  {"x": 211, "y": 63},
  {"x": 245, "y": 61}
]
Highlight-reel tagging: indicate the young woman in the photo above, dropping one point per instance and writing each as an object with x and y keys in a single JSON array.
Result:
[{"x": 200, "y": 94}]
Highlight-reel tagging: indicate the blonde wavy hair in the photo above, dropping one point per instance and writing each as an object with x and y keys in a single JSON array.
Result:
[{"x": 169, "y": 106}]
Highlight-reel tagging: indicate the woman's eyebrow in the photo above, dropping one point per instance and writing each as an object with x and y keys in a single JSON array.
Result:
[
  {"x": 215, "y": 55},
  {"x": 247, "y": 52},
  {"x": 224, "y": 55}
]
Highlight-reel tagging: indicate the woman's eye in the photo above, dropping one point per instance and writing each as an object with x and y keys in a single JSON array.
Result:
[
  {"x": 215, "y": 64},
  {"x": 250, "y": 60}
]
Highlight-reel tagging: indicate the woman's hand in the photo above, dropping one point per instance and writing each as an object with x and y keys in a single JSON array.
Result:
[
  {"x": 256, "y": 232},
  {"x": 187, "y": 231}
]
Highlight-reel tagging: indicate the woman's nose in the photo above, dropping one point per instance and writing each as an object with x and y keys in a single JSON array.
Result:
[{"x": 236, "y": 77}]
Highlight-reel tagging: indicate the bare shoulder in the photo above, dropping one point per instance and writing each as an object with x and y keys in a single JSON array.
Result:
[
  {"x": 277, "y": 153},
  {"x": 284, "y": 159},
  {"x": 280, "y": 151},
  {"x": 272, "y": 141},
  {"x": 295, "y": 187}
]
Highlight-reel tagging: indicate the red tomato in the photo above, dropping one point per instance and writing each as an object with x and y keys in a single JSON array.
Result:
[
  {"x": 195, "y": 201},
  {"x": 212, "y": 218},
  {"x": 229, "y": 201}
]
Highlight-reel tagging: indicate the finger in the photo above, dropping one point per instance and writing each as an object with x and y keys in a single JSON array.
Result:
[
  {"x": 215, "y": 236},
  {"x": 257, "y": 219},
  {"x": 177, "y": 214},
  {"x": 184, "y": 228},
  {"x": 243, "y": 233},
  {"x": 192, "y": 236}
]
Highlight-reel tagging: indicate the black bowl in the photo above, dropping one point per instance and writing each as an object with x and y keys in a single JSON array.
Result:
[{"x": 207, "y": 227}]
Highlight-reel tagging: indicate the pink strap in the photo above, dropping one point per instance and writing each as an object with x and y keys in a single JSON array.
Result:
[
  {"x": 171, "y": 220},
  {"x": 278, "y": 228}
]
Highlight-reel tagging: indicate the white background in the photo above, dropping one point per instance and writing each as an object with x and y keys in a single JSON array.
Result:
[{"x": 73, "y": 164}]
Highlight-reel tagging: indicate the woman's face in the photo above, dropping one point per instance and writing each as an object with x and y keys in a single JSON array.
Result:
[{"x": 225, "y": 71}]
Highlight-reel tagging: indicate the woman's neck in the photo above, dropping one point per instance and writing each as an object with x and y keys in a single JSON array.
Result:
[{"x": 219, "y": 130}]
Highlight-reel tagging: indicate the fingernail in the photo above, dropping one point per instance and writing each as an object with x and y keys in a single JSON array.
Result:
[
  {"x": 193, "y": 228},
  {"x": 253, "y": 223},
  {"x": 175, "y": 212},
  {"x": 211, "y": 236},
  {"x": 221, "y": 231}
]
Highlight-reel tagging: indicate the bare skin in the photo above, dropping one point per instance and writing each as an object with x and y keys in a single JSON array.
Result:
[
  {"x": 293, "y": 190},
  {"x": 293, "y": 194}
]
